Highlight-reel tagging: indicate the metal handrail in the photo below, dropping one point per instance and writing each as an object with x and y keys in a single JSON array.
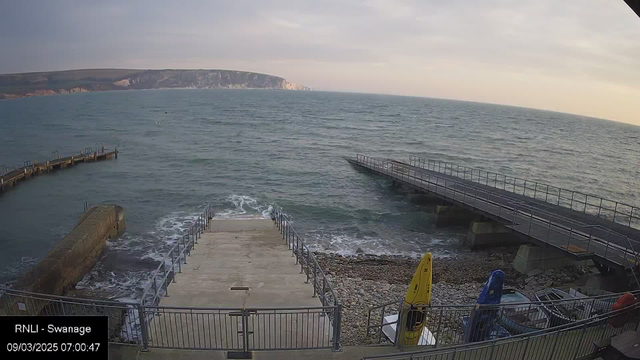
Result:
[
  {"x": 493, "y": 178},
  {"x": 176, "y": 256},
  {"x": 404, "y": 173},
  {"x": 309, "y": 264}
]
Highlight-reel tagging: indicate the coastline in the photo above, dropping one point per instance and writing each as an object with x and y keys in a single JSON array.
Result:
[{"x": 364, "y": 281}]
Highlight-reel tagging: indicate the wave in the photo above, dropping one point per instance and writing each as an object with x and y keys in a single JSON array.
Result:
[
  {"x": 244, "y": 207},
  {"x": 352, "y": 245},
  {"x": 140, "y": 254}
]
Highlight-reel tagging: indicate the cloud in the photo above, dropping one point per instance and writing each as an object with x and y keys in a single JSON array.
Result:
[{"x": 426, "y": 48}]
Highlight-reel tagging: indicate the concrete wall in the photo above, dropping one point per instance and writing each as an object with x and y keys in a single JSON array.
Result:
[
  {"x": 531, "y": 257},
  {"x": 68, "y": 262},
  {"x": 454, "y": 216},
  {"x": 424, "y": 199}
]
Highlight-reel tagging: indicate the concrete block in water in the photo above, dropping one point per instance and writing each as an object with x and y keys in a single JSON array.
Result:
[
  {"x": 530, "y": 257},
  {"x": 454, "y": 216},
  {"x": 486, "y": 234},
  {"x": 423, "y": 199}
]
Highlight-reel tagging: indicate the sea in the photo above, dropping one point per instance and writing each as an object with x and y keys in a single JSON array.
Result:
[{"x": 247, "y": 151}]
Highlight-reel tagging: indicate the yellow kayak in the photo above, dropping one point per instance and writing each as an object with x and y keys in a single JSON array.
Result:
[{"x": 417, "y": 299}]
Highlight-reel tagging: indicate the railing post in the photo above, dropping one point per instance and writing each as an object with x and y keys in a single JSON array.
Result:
[
  {"x": 437, "y": 336},
  {"x": 400, "y": 323},
  {"x": 300, "y": 257},
  {"x": 615, "y": 212},
  {"x": 155, "y": 288},
  {"x": 600, "y": 207},
  {"x": 573, "y": 193},
  {"x": 323, "y": 296},
  {"x": 245, "y": 332},
  {"x": 315, "y": 273},
  {"x": 179, "y": 259},
  {"x": 589, "y": 242},
  {"x": 546, "y": 194},
  {"x": 187, "y": 248},
  {"x": 307, "y": 263},
  {"x": 337, "y": 327},
  {"x": 143, "y": 328},
  {"x": 164, "y": 281},
  {"x": 173, "y": 267},
  {"x": 631, "y": 216},
  {"x": 530, "y": 223}
]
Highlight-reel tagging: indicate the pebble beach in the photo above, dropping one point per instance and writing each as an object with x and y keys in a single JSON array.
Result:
[{"x": 365, "y": 281}]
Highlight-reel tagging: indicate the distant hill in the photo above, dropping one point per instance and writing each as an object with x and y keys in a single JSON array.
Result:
[{"x": 87, "y": 80}]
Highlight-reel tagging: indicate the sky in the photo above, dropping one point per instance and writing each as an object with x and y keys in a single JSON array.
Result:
[{"x": 576, "y": 56}]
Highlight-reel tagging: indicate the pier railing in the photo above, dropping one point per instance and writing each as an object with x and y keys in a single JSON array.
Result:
[
  {"x": 570, "y": 341},
  {"x": 448, "y": 325},
  {"x": 577, "y": 238},
  {"x": 173, "y": 260},
  {"x": 598, "y": 206}
]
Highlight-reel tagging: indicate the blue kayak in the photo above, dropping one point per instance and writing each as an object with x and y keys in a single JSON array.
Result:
[{"x": 482, "y": 322}]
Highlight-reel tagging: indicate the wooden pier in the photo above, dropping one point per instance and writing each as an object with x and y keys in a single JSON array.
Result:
[{"x": 30, "y": 169}]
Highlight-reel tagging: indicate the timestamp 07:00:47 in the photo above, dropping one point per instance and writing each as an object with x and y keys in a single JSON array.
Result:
[{"x": 52, "y": 347}]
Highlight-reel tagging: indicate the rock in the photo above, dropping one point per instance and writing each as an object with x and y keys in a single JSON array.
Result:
[
  {"x": 548, "y": 284},
  {"x": 359, "y": 251},
  {"x": 534, "y": 272}
]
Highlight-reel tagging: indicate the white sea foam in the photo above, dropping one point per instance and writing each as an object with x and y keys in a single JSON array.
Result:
[
  {"x": 244, "y": 207},
  {"x": 348, "y": 245}
]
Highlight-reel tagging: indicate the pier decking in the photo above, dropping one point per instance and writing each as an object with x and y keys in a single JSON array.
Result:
[{"x": 10, "y": 178}]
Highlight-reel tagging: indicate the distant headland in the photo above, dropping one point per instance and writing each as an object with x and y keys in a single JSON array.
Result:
[{"x": 89, "y": 80}]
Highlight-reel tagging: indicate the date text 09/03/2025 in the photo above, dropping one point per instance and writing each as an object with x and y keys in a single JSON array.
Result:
[{"x": 44, "y": 336}]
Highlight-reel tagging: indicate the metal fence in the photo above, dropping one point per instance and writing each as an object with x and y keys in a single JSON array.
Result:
[
  {"x": 578, "y": 238},
  {"x": 173, "y": 260},
  {"x": 565, "y": 342},
  {"x": 233, "y": 329},
  {"x": 124, "y": 317},
  {"x": 451, "y": 324},
  {"x": 615, "y": 211},
  {"x": 243, "y": 330}
]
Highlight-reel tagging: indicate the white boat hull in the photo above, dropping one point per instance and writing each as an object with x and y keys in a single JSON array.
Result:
[{"x": 389, "y": 330}]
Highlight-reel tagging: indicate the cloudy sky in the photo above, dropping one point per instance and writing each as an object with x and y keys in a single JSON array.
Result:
[{"x": 577, "y": 56}]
